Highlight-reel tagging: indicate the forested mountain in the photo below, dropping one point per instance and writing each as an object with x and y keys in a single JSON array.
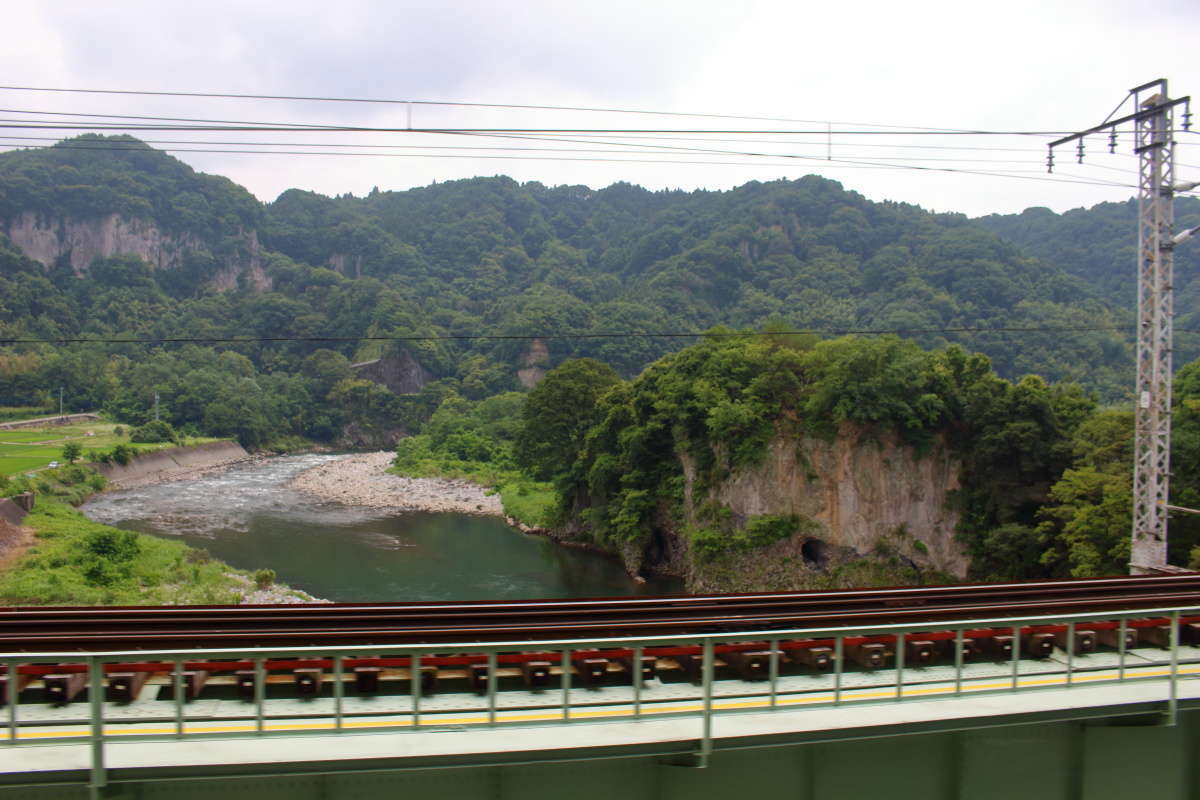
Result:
[
  {"x": 496, "y": 256},
  {"x": 1099, "y": 246},
  {"x": 132, "y": 243}
]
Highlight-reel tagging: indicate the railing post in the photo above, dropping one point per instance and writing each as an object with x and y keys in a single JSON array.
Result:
[
  {"x": 260, "y": 693},
  {"x": 339, "y": 690},
  {"x": 637, "y": 681},
  {"x": 1173, "y": 700},
  {"x": 901, "y": 641},
  {"x": 839, "y": 650},
  {"x": 12, "y": 698},
  {"x": 1121, "y": 637},
  {"x": 1016, "y": 654},
  {"x": 958, "y": 661},
  {"x": 566, "y": 685},
  {"x": 491, "y": 686},
  {"x": 96, "y": 702},
  {"x": 414, "y": 673},
  {"x": 774, "y": 668},
  {"x": 177, "y": 681},
  {"x": 1070, "y": 650},
  {"x": 707, "y": 681}
]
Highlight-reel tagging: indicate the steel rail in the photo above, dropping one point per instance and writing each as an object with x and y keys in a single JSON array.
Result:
[
  {"x": 924, "y": 594},
  {"x": 45, "y": 619},
  {"x": 502, "y": 622}
]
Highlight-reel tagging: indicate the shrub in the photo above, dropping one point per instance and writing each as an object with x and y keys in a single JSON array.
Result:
[
  {"x": 121, "y": 454},
  {"x": 153, "y": 432},
  {"x": 198, "y": 555},
  {"x": 264, "y": 578}
]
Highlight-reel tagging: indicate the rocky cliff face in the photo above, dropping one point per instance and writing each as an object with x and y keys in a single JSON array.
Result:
[
  {"x": 534, "y": 363},
  {"x": 82, "y": 241},
  {"x": 859, "y": 498},
  {"x": 401, "y": 374}
]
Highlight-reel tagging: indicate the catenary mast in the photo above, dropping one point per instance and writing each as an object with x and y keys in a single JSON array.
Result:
[{"x": 1154, "y": 145}]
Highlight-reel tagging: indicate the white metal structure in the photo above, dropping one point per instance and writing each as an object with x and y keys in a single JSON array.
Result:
[{"x": 1154, "y": 145}]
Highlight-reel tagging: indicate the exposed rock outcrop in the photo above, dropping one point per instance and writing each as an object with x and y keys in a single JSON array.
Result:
[
  {"x": 350, "y": 266},
  {"x": 402, "y": 374},
  {"x": 533, "y": 363},
  {"x": 857, "y": 498},
  {"x": 81, "y": 241},
  {"x": 858, "y": 489}
]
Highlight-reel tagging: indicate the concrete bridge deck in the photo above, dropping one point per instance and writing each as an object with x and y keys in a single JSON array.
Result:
[{"x": 1038, "y": 727}]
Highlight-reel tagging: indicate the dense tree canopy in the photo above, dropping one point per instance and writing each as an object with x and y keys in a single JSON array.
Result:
[{"x": 490, "y": 256}]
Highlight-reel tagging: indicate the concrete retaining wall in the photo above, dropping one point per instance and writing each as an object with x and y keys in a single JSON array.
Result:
[
  {"x": 45, "y": 421},
  {"x": 173, "y": 460},
  {"x": 11, "y": 512}
]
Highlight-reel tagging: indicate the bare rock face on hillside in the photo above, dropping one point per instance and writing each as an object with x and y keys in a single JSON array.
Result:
[
  {"x": 860, "y": 497},
  {"x": 47, "y": 239},
  {"x": 533, "y": 363},
  {"x": 402, "y": 374}
]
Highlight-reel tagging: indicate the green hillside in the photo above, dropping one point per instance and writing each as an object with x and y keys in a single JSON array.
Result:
[{"x": 464, "y": 260}]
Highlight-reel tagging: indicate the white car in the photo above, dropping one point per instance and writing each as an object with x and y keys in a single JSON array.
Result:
[{"x": 52, "y": 464}]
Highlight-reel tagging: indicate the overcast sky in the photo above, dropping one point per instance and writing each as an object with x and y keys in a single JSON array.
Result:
[{"x": 1016, "y": 65}]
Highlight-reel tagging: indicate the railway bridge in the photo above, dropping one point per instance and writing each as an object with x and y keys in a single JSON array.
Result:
[{"x": 1067, "y": 689}]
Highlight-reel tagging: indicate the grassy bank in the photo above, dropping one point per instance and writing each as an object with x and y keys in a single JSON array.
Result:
[
  {"x": 76, "y": 561},
  {"x": 525, "y": 500}
]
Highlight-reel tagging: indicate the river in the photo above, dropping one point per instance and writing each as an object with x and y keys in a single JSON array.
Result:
[{"x": 249, "y": 518}]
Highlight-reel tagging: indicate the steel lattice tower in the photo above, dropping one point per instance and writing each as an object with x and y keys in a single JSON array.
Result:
[{"x": 1154, "y": 146}]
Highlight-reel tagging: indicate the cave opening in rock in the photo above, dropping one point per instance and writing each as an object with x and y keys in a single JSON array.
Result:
[{"x": 815, "y": 553}]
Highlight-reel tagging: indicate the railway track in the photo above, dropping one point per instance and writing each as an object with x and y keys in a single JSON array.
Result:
[
  {"x": 537, "y": 637},
  {"x": 94, "y": 629}
]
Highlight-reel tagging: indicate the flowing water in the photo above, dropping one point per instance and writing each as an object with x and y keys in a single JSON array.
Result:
[{"x": 247, "y": 517}]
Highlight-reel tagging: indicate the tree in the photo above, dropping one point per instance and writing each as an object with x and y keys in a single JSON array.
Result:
[
  {"x": 71, "y": 452},
  {"x": 557, "y": 415}
]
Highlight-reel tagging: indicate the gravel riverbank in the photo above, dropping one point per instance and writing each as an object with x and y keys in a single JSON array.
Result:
[{"x": 361, "y": 480}]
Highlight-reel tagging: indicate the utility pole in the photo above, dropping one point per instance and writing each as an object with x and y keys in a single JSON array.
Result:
[
  {"x": 156, "y": 406},
  {"x": 60, "y": 403},
  {"x": 1154, "y": 145}
]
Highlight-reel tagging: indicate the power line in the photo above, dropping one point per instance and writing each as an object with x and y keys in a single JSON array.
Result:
[
  {"x": 402, "y": 102},
  {"x": 1034, "y": 174},
  {"x": 359, "y": 146},
  {"x": 574, "y": 336},
  {"x": 51, "y": 125}
]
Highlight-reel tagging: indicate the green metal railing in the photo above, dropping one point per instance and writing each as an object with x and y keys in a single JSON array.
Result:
[{"x": 842, "y": 685}]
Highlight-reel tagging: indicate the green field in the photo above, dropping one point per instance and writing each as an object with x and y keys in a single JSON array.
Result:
[
  {"x": 29, "y": 449},
  {"x": 29, "y": 435}
]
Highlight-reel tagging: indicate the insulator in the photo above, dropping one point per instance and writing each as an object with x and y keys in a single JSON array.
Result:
[
  {"x": 1112, "y": 141},
  {"x": 1050, "y": 161},
  {"x": 1079, "y": 151}
]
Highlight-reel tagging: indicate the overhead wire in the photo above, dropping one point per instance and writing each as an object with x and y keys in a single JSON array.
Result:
[
  {"x": 862, "y": 331},
  {"x": 616, "y": 137},
  {"x": 1030, "y": 174},
  {"x": 448, "y": 103}
]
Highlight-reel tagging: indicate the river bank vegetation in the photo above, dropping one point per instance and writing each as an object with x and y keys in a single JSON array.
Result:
[
  {"x": 79, "y": 562},
  {"x": 75, "y": 561},
  {"x": 474, "y": 441}
]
